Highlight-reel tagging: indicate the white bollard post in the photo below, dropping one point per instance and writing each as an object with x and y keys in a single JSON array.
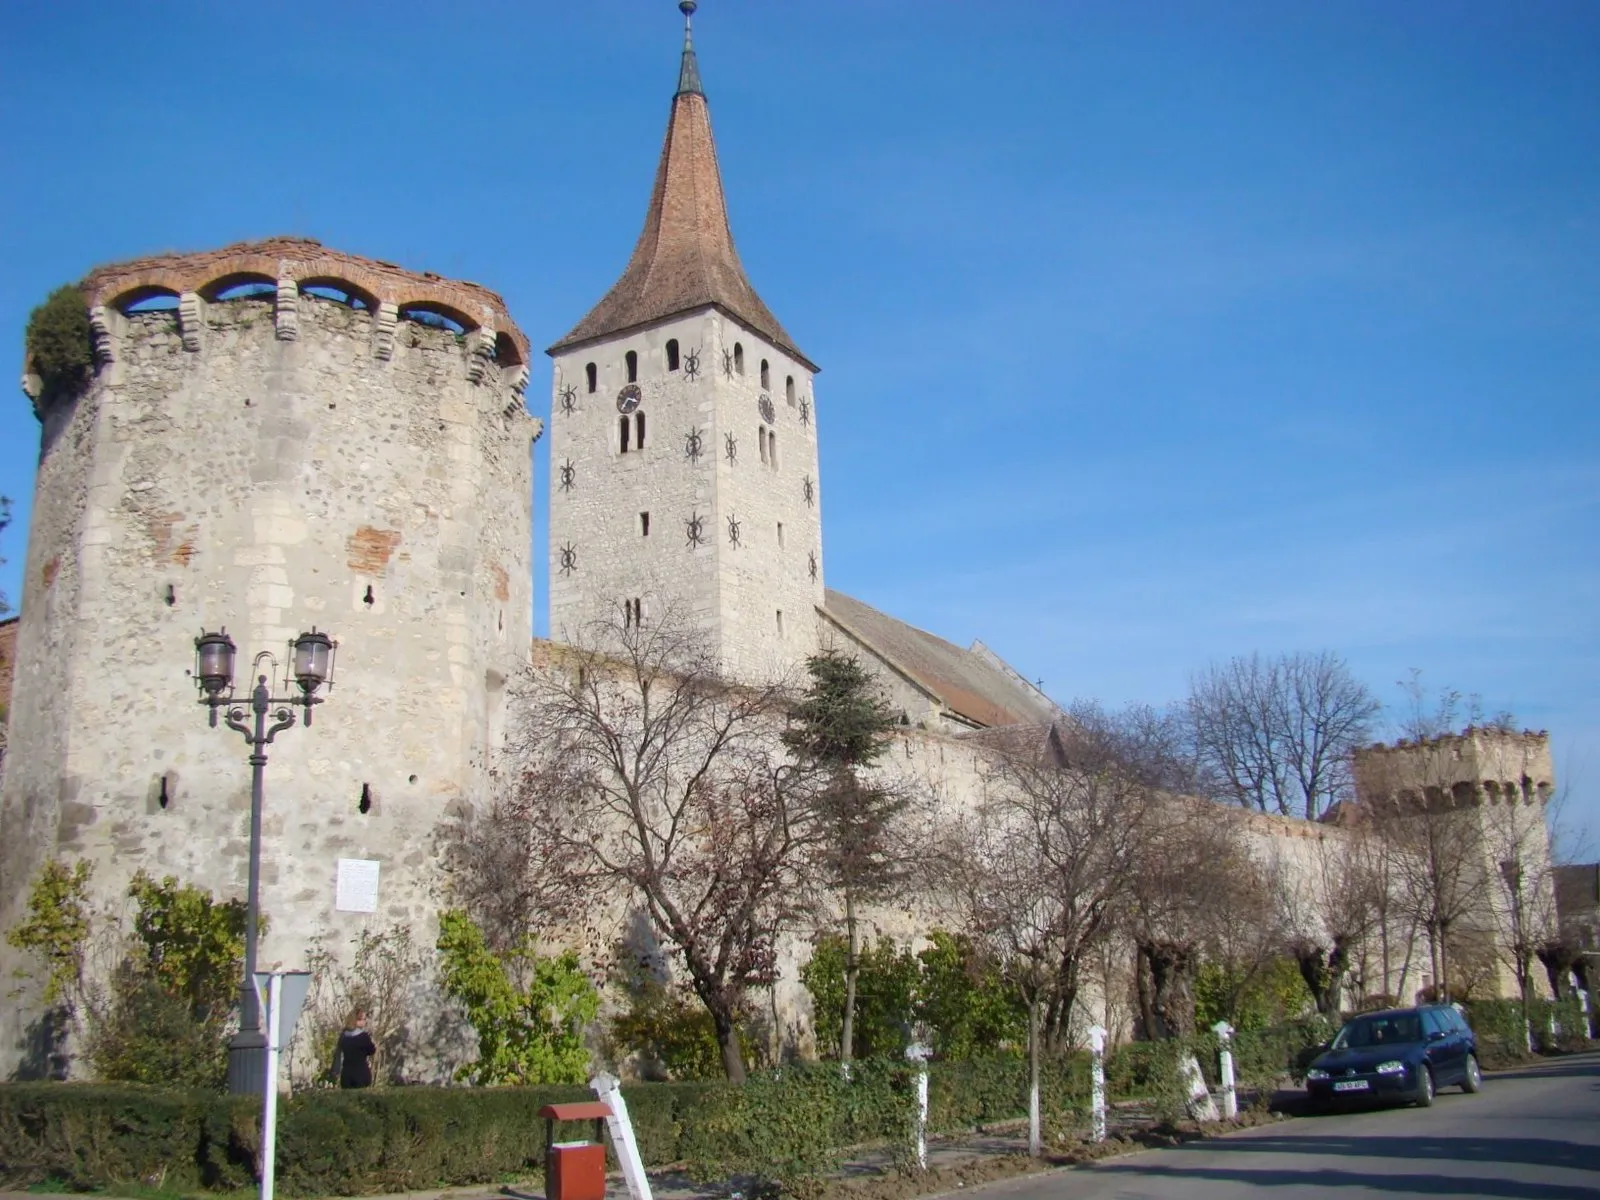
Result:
[
  {"x": 917, "y": 1053},
  {"x": 1097, "y": 1084},
  {"x": 269, "y": 1093},
  {"x": 1230, "y": 1098},
  {"x": 608, "y": 1090}
]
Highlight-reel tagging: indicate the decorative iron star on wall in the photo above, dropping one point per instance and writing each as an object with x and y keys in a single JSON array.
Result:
[
  {"x": 727, "y": 364},
  {"x": 808, "y": 490},
  {"x": 733, "y": 529},
  {"x": 805, "y": 410},
  {"x": 695, "y": 526},
  {"x": 568, "y": 473},
  {"x": 813, "y": 565},
  {"x": 730, "y": 447},
  {"x": 694, "y": 445},
  {"x": 569, "y": 399},
  {"x": 569, "y": 558},
  {"x": 691, "y": 365}
]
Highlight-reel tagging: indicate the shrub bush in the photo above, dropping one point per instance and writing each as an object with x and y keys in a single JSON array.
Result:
[
  {"x": 968, "y": 1093},
  {"x": 329, "y": 1143},
  {"x": 786, "y": 1127},
  {"x": 60, "y": 342}
]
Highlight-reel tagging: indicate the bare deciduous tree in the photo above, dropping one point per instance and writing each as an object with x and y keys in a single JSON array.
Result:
[
  {"x": 1041, "y": 867},
  {"x": 1276, "y": 734},
  {"x": 1197, "y": 892},
  {"x": 1330, "y": 903},
  {"x": 648, "y": 780}
]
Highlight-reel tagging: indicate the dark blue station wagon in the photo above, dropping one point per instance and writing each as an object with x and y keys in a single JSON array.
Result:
[{"x": 1404, "y": 1054}]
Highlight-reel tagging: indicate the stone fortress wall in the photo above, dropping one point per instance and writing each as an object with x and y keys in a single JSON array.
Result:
[
  {"x": 756, "y": 550},
  {"x": 306, "y": 452}
]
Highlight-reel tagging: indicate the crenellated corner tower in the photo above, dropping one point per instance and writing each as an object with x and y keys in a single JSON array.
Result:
[{"x": 683, "y": 434}]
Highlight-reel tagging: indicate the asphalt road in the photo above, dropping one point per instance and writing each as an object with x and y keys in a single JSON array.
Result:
[{"x": 1530, "y": 1133}]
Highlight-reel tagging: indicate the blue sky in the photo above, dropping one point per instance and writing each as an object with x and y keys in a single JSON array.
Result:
[{"x": 1151, "y": 333}]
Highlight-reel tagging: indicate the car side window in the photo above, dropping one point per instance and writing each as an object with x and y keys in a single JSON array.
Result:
[
  {"x": 1431, "y": 1022},
  {"x": 1458, "y": 1021}
]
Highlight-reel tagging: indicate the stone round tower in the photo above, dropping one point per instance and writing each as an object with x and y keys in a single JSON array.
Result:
[{"x": 275, "y": 436}]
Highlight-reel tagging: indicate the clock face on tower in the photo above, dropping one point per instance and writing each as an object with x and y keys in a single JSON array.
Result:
[
  {"x": 628, "y": 398},
  {"x": 767, "y": 413}
]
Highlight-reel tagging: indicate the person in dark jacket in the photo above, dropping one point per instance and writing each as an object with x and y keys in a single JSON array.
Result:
[{"x": 356, "y": 1049}]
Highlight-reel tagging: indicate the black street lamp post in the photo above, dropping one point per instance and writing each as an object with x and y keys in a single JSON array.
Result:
[{"x": 312, "y": 658}]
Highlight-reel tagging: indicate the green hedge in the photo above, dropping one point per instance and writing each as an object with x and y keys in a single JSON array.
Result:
[
  {"x": 329, "y": 1142},
  {"x": 1502, "y": 1027},
  {"x": 782, "y": 1125},
  {"x": 969, "y": 1093}
]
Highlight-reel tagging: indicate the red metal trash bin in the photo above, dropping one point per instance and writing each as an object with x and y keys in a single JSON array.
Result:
[{"x": 575, "y": 1170}]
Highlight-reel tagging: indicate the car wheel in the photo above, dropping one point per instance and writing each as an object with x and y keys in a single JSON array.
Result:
[
  {"x": 1425, "y": 1091},
  {"x": 1473, "y": 1081}
]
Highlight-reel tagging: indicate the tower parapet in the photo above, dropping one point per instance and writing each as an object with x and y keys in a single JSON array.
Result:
[
  {"x": 1476, "y": 766},
  {"x": 299, "y": 438}
]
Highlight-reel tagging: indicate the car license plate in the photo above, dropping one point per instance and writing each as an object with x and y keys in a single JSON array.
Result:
[{"x": 1350, "y": 1085}]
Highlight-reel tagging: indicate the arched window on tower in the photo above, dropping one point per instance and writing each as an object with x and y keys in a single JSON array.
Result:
[
  {"x": 761, "y": 439},
  {"x": 632, "y": 360},
  {"x": 788, "y": 390},
  {"x": 622, "y": 425},
  {"x": 592, "y": 374},
  {"x": 738, "y": 358},
  {"x": 638, "y": 418},
  {"x": 765, "y": 385},
  {"x": 772, "y": 449},
  {"x": 672, "y": 354}
]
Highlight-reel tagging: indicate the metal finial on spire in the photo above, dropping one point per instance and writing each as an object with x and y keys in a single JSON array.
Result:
[{"x": 689, "y": 72}]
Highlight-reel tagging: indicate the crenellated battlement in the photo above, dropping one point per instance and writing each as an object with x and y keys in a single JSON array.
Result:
[
  {"x": 291, "y": 280},
  {"x": 1476, "y": 766}
]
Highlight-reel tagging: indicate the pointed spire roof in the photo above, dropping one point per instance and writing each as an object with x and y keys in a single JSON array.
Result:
[{"x": 685, "y": 257}]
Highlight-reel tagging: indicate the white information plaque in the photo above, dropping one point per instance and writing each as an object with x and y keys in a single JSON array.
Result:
[{"x": 356, "y": 888}]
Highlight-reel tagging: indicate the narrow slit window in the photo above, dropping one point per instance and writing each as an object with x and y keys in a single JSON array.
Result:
[
  {"x": 738, "y": 358},
  {"x": 644, "y": 524},
  {"x": 638, "y": 418},
  {"x": 672, "y": 354},
  {"x": 623, "y": 425},
  {"x": 772, "y": 449},
  {"x": 761, "y": 439},
  {"x": 764, "y": 375},
  {"x": 780, "y": 535},
  {"x": 788, "y": 390},
  {"x": 592, "y": 374},
  {"x": 780, "y": 622},
  {"x": 632, "y": 360}
]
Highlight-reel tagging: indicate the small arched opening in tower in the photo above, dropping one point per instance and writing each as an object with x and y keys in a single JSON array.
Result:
[
  {"x": 766, "y": 377},
  {"x": 591, "y": 374},
  {"x": 638, "y": 418},
  {"x": 623, "y": 429},
  {"x": 340, "y": 291},
  {"x": 505, "y": 350},
  {"x": 632, "y": 359},
  {"x": 788, "y": 390},
  {"x": 672, "y": 354},
  {"x": 146, "y": 299},
  {"x": 436, "y": 316},
  {"x": 738, "y": 358},
  {"x": 241, "y": 285}
]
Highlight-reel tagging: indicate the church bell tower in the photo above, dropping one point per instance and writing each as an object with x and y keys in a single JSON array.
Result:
[{"x": 684, "y": 483}]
